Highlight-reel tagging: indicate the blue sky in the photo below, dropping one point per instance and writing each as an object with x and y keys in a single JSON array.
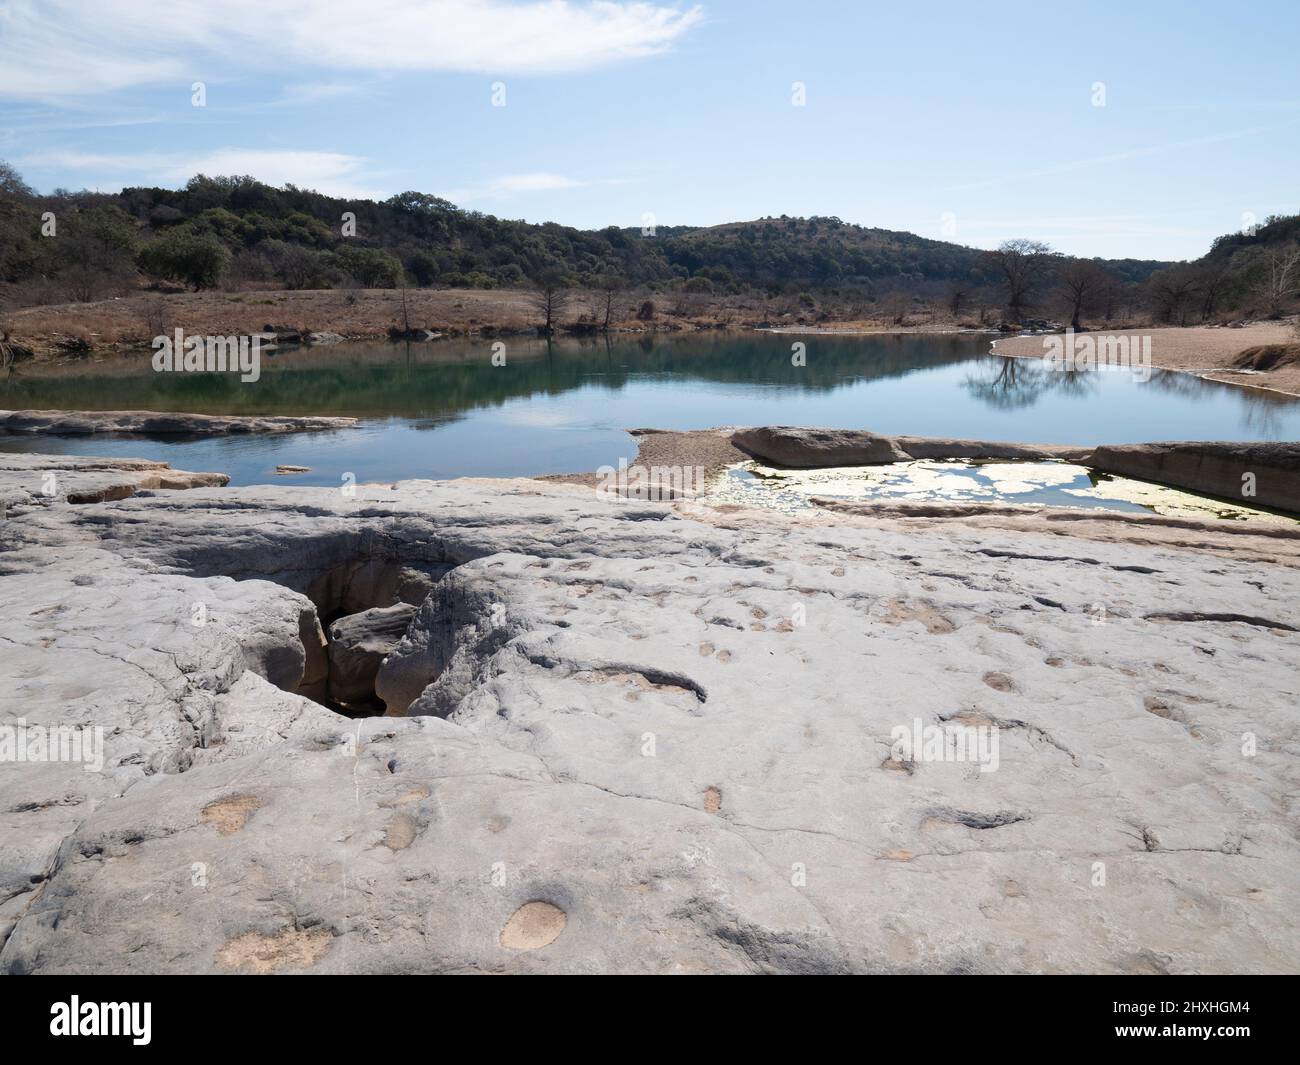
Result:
[{"x": 953, "y": 120}]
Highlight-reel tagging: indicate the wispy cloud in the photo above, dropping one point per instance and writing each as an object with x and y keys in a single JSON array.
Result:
[
  {"x": 1148, "y": 235},
  {"x": 1011, "y": 175},
  {"x": 500, "y": 188},
  {"x": 306, "y": 93},
  {"x": 60, "y": 49},
  {"x": 1127, "y": 224},
  {"x": 333, "y": 173}
]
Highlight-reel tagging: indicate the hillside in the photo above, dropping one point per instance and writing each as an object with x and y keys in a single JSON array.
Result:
[
  {"x": 238, "y": 230},
  {"x": 239, "y": 233},
  {"x": 1255, "y": 271}
]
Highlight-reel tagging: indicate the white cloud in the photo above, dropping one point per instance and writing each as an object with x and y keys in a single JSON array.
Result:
[
  {"x": 535, "y": 183},
  {"x": 333, "y": 173},
  {"x": 58, "y": 49},
  {"x": 510, "y": 185}
]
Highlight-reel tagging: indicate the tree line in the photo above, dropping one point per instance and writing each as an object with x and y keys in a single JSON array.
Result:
[{"x": 241, "y": 233}]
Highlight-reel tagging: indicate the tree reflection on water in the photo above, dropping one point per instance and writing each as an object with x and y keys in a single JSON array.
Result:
[{"x": 1018, "y": 383}]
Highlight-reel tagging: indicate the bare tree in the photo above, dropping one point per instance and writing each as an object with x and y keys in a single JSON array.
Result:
[
  {"x": 1111, "y": 298},
  {"x": 550, "y": 300},
  {"x": 1082, "y": 281},
  {"x": 957, "y": 297},
  {"x": 156, "y": 316},
  {"x": 1214, "y": 281},
  {"x": 1172, "y": 291},
  {"x": 894, "y": 308},
  {"x": 1280, "y": 279},
  {"x": 609, "y": 287},
  {"x": 1021, "y": 264},
  {"x": 406, "y": 314}
]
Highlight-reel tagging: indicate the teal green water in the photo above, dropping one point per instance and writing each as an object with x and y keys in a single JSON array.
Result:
[{"x": 442, "y": 409}]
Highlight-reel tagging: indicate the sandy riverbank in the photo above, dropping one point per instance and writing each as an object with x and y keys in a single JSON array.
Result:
[
  {"x": 709, "y": 449},
  {"x": 1206, "y": 351}
]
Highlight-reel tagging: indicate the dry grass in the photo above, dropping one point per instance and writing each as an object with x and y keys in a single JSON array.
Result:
[
  {"x": 133, "y": 321},
  {"x": 1268, "y": 357}
]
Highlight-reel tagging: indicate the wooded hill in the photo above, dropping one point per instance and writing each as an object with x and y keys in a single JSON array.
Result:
[
  {"x": 296, "y": 236},
  {"x": 240, "y": 232}
]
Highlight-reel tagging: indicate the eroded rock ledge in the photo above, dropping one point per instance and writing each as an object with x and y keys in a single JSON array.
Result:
[
  {"x": 82, "y": 422},
  {"x": 641, "y": 738},
  {"x": 1271, "y": 471},
  {"x": 800, "y": 448},
  {"x": 27, "y": 479}
]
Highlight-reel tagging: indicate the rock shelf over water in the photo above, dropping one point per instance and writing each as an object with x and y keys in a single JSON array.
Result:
[
  {"x": 159, "y": 422},
  {"x": 43, "y": 479},
  {"x": 641, "y": 738},
  {"x": 1256, "y": 474}
]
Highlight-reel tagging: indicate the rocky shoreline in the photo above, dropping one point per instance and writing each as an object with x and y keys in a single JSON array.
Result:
[
  {"x": 34, "y": 480},
  {"x": 666, "y": 728},
  {"x": 1267, "y": 474},
  {"x": 1264, "y": 474},
  {"x": 160, "y": 423}
]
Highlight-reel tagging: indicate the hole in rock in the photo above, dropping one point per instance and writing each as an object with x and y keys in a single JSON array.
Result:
[
  {"x": 363, "y": 609},
  {"x": 365, "y": 586},
  {"x": 356, "y": 646}
]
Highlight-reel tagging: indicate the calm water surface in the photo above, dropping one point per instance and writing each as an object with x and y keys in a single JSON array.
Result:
[{"x": 441, "y": 409}]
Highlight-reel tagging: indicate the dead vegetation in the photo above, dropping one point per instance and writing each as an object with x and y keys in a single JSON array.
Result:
[
  {"x": 133, "y": 321},
  {"x": 1266, "y": 357}
]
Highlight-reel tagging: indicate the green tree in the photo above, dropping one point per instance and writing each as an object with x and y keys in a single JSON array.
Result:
[
  {"x": 12, "y": 186},
  {"x": 94, "y": 252},
  {"x": 297, "y": 267},
  {"x": 369, "y": 267},
  {"x": 422, "y": 267},
  {"x": 183, "y": 255}
]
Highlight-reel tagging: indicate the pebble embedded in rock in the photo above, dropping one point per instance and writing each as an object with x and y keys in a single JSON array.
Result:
[{"x": 533, "y": 926}]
